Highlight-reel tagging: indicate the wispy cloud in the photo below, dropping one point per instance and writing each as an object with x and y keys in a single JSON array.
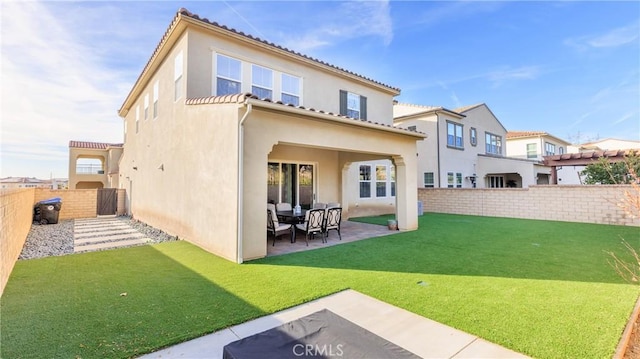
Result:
[
  {"x": 503, "y": 75},
  {"x": 346, "y": 21},
  {"x": 54, "y": 89},
  {"x": 613, "y": 38}
]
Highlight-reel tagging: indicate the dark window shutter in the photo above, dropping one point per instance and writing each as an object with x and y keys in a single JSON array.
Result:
[
  {"x": 363, "y": 108},
  {"x": 343, "y": 102}
]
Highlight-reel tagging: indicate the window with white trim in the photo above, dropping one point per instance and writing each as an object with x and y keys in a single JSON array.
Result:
[
  {"x": 450, "y": 179},
  {"x": 146, "y": 106},
  {"x": 365, "y": 181},
  {"x": 137, "y": 118},
  {"x": 473, "y": 136},
  {"x": 381, "y": 181},
  {"x": 156, "y": 91},
  {"x": 392, "y": 176},
  {"x": 458, "y": 180},
  {"x": 454, "y": 180},
  {"x": 290, "y": 89},
  {"x": 353, "y": 105},
  {"x": 561, "y": 150},
  {"x": 177, "y": 76},
  {"x": 532, "y": 150},
  {"x": 261, "y": 82},
  {"x": 454, "y": 135},
  {"x": 228, "y": 75},
  {"x": 429, "y": 180},
  {"x": 493, "y": 144},
  {"x": 549, "y": 149}
]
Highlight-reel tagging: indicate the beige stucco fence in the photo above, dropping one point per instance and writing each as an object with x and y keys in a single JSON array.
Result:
[
  {"x": 16, "y": 214},
  {"x": 586, "y": 204}
]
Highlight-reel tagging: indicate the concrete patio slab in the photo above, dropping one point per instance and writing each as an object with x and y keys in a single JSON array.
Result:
[{"x": 424, "y": 337}]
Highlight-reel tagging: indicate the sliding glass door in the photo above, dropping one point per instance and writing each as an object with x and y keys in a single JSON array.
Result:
[{"x": 292, "y": 183}]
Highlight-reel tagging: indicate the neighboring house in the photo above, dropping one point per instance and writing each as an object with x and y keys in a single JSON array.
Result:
[
  {"x": 23, "y": 182},
  {"x": 465, "y": 148},
  {"x": 569, "y": 168},
  {"x": 93, "y": 164},
  {"x": 534, "y": 146},
  {"x": 219, "y": 123}
]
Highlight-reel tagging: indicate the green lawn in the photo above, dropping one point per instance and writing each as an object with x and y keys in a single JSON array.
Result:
[{"x": 540, "y": 288}]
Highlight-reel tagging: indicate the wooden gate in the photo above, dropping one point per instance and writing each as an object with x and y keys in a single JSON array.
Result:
[{"x": 107, "y": 201}]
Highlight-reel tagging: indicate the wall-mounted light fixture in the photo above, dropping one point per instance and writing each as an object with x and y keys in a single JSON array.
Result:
[
  {"x": 135, "y": 168},
  {"x": 161, "y": 168}
]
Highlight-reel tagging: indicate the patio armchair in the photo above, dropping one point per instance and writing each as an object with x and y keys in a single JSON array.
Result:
[
  {"x": 275, "y": 228},
  {"x": 314, "y": 223},
  {"x": 319, "y": 205},
  {"x": 283, "y": 206},
  {"x": 333, "y": 204},
  {"x": 332, "y": 221}
]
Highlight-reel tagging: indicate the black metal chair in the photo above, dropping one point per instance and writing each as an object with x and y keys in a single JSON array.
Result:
[
  {"x": 276, "y": 228},
  {"x": 314, "y": 223},
  {"x": 332, "y": 221}
]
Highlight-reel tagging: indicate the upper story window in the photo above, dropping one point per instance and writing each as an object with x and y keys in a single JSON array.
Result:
[
  {"x": 473, "y": 136},
  {"x": 549, "y": 149},
  {"x": 353, "y": 105},
  {"x": 146, "y": 106},
  {"x": 532, "y": 150},
  {"x": 137, "y": 118},
  {"x": 261, "y": 82},
  {"x": 290, "y": 89},
  {"x": 454, "y": 135},
  {"x": 561, "y": 150},
  {"x": 493, "y": 144},
  {"x": 228, "y": 75},
  {"x": 156, "y": 91},
  {"x": 177, "y": 76}
]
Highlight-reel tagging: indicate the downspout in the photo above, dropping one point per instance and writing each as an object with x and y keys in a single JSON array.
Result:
[
  {"x": 438, "y": 145},
  {"x": 240, "y": 222}
]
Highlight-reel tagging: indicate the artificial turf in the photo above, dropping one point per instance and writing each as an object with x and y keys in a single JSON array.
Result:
[{"x": 538, "y": 287}]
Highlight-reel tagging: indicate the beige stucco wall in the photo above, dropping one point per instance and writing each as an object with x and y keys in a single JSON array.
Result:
[
  {"x": 586, "y": 204},
  {"x": 16, "y": 212},
  {"x": 320, "y": 88}
]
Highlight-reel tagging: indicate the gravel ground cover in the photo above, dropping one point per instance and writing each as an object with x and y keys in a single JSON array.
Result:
[{"x": 57, "y": 239}]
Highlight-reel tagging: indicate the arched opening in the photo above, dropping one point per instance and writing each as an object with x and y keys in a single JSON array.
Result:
[
  {"x": 90, "y": 165},
  {"x": 89, "y": 185}
]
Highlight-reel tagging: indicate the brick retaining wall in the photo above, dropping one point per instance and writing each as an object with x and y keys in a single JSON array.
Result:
[{"x": 16, "y": 209}]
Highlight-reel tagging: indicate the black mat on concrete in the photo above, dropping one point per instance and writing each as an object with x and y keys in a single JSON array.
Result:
[{"x": 322, "y": 334}]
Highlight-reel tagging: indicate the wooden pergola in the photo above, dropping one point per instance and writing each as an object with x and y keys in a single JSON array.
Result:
[{"x": 582, "y": 159}]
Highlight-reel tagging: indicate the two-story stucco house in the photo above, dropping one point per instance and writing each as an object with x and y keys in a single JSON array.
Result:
[
  {"x": 94, "y": 164},
  {"x": 534, "y": 146},
  {"x": 466, "y": 149},
  {"x": 219, "y": 123}
]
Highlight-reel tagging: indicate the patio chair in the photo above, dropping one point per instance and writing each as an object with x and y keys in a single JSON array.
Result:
[
  {"x": 332, "y": 221},
  {"x": 283, "y": 206},
  {"x": 333, "y": 204},
  {"x": 276, "y": 228},
  {"x": 319, "y": 205},
  {"x": 314, "y": 223}
]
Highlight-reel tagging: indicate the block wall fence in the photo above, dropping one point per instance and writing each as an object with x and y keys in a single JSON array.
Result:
[
  {"x": 586, "y": 204},
  {"x": 16, "y": 215}
]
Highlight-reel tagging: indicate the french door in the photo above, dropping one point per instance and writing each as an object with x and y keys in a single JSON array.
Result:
[{"x": 292, "y": 183}]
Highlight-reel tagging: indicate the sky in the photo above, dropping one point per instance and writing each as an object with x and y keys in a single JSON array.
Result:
[{"x": 569, "y": 68}]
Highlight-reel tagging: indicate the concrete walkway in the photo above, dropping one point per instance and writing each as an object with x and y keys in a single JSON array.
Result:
[
  {"x": 421, "y": 336},
  {"x": 101, "y": 233}
]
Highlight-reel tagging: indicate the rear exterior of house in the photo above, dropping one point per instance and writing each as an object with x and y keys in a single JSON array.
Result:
[{"x": 220, "y": 123}]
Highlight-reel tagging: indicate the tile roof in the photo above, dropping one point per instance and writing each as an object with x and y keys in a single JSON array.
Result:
[
  {"x": 22, "y": 180},
  {"x": 93, "y": 145},
  {"x": 519, "y": 134},
  {"x": 467, "y": 108},
  {"x": 242, "y": 97}
]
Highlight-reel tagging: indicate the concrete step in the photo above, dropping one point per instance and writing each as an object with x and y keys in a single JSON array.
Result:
[
  {"x": 109, "y": 245},
  {"x": 78, "y": 233},
  {"x": 114, "y": 238}
]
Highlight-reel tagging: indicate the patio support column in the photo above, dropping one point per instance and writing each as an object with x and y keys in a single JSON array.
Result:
[
  {"x": 406, "y": 192},
  {"x": 345, "y": 181}
]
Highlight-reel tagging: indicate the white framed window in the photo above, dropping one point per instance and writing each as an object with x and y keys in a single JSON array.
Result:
[
  {"x": 549, "y": 149},
  {"x": 353, "y": 105},
  {"x": 156, "y": 92},
  {"x": 493, "y": 144},
  {"x": 177, "y": 76},
  {"x": 532, "y": 150},
  {"x": 365, "y": 181},
  {"x": 381, "y": 181},
  {"x": 228, "y": 75},
  {"x": 495, "y": 181},
  {"x": 454, "y": 180},
  {"x": 261, "y": 81},
  {"x": 473, "y": 136},
  {"x": 146, "y": 106},
  {"x": 458, "y": 180},
  {"x": 125, "y": 130},
  {"x": 290, "y": 89},
  {"x": 392, "y": 176},
  {"x": 561, "y": 150},
  {"x": 454, "y": 135},
  {"x": 137, "y": 118},
  {"x": 429, "y": 180}
]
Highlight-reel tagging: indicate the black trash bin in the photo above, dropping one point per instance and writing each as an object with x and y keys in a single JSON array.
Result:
[{"x": 47, "y": 211}]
